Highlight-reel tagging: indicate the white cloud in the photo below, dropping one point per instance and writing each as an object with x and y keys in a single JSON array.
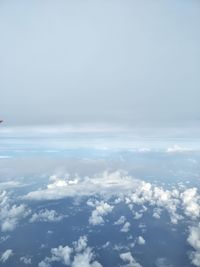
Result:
[
  {"x": 121, "y": 220},
  {"x": 44, "y": 263},
  {"x": 191, "y": 202},
  {"x": 116, "y": 183},
  {"x": 129, "y": 260},
  {"x": 107, "y": 244},
  {"x": 96, "y": 219},
  {"x": 79, "y": 256},
  {"x": 142, "y": 226},
  {"x": 9, "y": 184},
  {"x": 59, "y": 254},
  {"x": 157, "y": 213},
  {"x": 5, "y": 157},
  {"x": 102, "y": 209},
  {"x": 10, "y": 214},
  {"x": 81, "y": 244},
  {"x": 26, "y": 260},
  {"x": 144, "y": 150},
  {"x": 156, "y": 196},
  {"x": 126, "y": 227},
  {"x": 141, "y": 240},
  {"x": 85, "y": 259},
  {"x": 194, "y": 241},
  {"x": 124, "y": 188},
  {"x": 137, "y": 215},
  {"x": 105, "y": 183},
  {"x": 176, "y": 149},
  {"x": 6, "y": 255},
  {"x": 46, "y": 216}
]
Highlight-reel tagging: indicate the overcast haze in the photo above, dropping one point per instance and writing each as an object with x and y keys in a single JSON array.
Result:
[{"x": 99, "y": 61}]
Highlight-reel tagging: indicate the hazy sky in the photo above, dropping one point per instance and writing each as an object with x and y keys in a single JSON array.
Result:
[{"x": 99, "y": 61}]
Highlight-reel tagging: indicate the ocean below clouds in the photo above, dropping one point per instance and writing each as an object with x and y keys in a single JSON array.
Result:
[{"x": 99, "y": 199}]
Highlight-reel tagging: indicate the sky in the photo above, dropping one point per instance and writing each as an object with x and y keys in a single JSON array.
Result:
[{"x": 122, "y": 62}]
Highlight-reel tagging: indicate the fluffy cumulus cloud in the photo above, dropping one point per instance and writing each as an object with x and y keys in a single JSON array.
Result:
[
  {"x": 46, "y": 216},
  {"x": 126, "y": 227},
  {"x": 141, "y": 240},
  {"x": 80, "y": 255},
  {"x": 194, "y": 241},
  {"x": 85, "y": 259},
  {"x": 157, "y": 213},
  {"x": 137, "y": 215},
  {"x": 129, "y": 261},
  {"x": 81, "y": 244},
  {"x": 59, "y": 254},
  {"x": 26, "y": 260},
  {"x": 191, "y": 202},
  {"x": 121, "y": 220},
  {"x": 6, "y": 255},
  {"x": 156, "y": 196},
  {"x": 102, "y": 209},
  {"x": 10, "y": 214}
]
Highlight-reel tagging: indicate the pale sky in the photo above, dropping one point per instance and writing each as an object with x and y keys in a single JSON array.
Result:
[{"x": 99, "y": 61}]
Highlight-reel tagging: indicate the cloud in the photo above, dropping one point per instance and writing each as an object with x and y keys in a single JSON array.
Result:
[
  {"x": 85, "y": 259},
  {"x": 59, "y": 254},
  {"x": 141, "y": 240},
  {"x": 26, "y": 260},
  {"x": 80, "y": 255},
  {"x": 124, "y": 188},
  {"x": 156, "y": 196},
  {"x": 115, "y": 183},
  {"x": 60, "y": 130},
  {"x": 44, "y": 263},
  {"x": 46, "y": 216},
  {"x": 107, "y": 244},
  {"x": 102, "y": 209},
  {"x": 144, "y": 150},
  {"x": 121, "y": 220},
  {"x": 163, "y": 262},
  {"x": 137, "y": 215},
  {"x": 132, "y": 192},
  {"x": 6, "y": 255},
  {"x": 126, "y": 227},
  {"x": 104, "y": 183},
  {"x": 157, "y": 213},
  {"x": 10, "y": 214},
  {"x": 129, "y": 260},
  {"x": 191, "y": 202},
  {"x": 5, "y": 157},
  {"x": 81, "y": 244},
  {"x": 194, "y": 241},
  {"x": 9, "y": 184},
  {"x": 177, "y": 149}
]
